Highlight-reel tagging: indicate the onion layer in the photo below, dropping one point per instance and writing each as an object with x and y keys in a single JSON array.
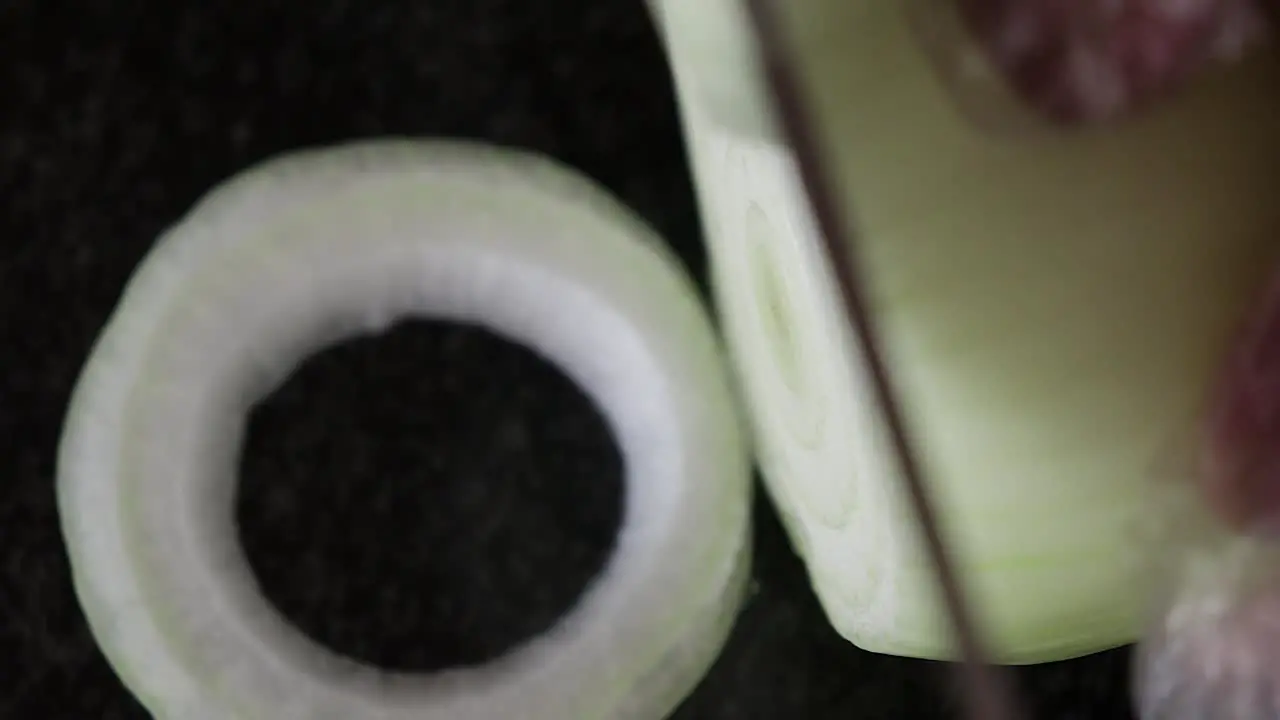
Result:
[
  {"x": 1052, "y": 308},
  {"x": 323, "y": 245}
]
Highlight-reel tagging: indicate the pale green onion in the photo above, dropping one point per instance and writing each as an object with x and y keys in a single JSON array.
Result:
[
  {"x": 713, "y": 59},
  {"x": 306, "y": 250},
  {"x": 1052, "y": 309}
]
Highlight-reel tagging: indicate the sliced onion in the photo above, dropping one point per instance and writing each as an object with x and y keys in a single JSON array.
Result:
[
  {"x": 310, "y": 249},
  {"x": 713, "y": 59},
  {"x": 1050, "y": 308}
]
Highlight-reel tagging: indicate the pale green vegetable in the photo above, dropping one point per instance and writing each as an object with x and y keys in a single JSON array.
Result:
[
  {"x": 1052, "y": 307},
  {"x": 322, "y": 245},
  {"x": 714, "y": 60}
]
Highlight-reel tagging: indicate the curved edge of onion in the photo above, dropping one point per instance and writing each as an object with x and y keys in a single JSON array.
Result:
[
  {"x": 181, "y": 622},
  {"x": 713, "y": 58}
]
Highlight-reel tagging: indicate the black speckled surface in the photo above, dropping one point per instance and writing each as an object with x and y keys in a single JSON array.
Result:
[{"x": 488, "y": 471}]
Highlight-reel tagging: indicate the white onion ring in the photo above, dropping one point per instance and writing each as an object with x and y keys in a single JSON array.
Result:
[{"x": 323, "y": 245}]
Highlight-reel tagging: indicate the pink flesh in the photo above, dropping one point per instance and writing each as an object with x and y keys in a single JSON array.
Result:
[
  {"x": 1083, "y": 61},
  {"x": 1242, "y": 478}
]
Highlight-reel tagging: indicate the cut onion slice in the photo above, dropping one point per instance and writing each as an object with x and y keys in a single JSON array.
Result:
[{"x": 323, "y": 245}]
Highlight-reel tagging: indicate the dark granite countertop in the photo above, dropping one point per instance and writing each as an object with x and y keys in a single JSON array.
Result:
[{"x": 116, "y": 114}]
